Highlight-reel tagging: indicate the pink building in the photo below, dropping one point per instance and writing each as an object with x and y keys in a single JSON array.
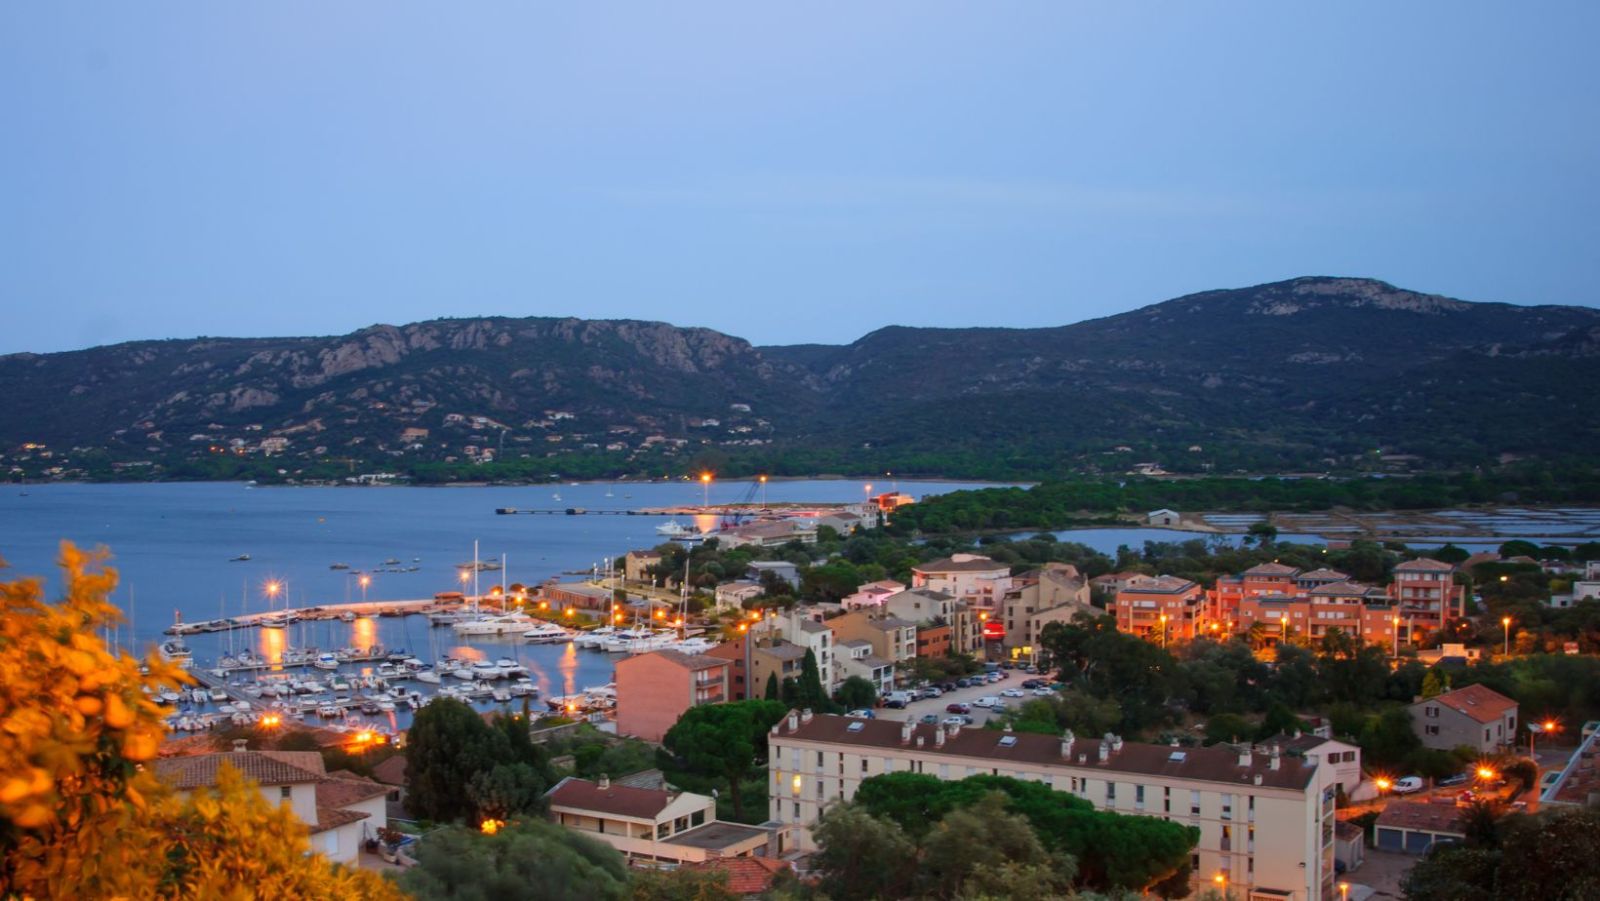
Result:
[{"x": 654, "y": 689}]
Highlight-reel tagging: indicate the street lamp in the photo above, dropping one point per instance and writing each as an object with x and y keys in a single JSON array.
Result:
[
  {"x": 705, "y": 486},
  {"x": 1383, "y": 784},
  {"x": 1163, "y": 630},
  {"x": 1547, "y": 727},
  {"x": 1396, "y": 623},
  {"x": 365, "y": 580},
  {"x": 1344, "y": 891},
  {"x": 763, "y": 480},
  {"x": 1505, "y": 623},
  {"x": 1283, "y": 627}
]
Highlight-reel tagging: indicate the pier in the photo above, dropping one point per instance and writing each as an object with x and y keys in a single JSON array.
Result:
[{"x": 321, "y": 612}]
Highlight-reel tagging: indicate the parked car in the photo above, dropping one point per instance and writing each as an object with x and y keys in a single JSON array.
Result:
[
  {"x": 1408, "y": 785},
  {"x": 1012, "y": 693},
  {"x": 1032, "y": 683},
  {"x": 958, "y": 707},
  {"x": 930, "y": 718},
  {"x": 990, "y": 701},
  {"x": 862, "y": 714},
  {"x": 965, "y": 682},
  {"x": 931, "y": 691},
  {"x": 1457, "y": 779},
  {"x": 895, "y": 703},
  {"x": 996, "y": 677},
  {"x": 947, "y": 686},
  {"x": 957, "y": 720},
  {"x": 1043, "y": 692}
]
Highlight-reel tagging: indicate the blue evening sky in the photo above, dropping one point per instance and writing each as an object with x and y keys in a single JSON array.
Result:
[{"x": 782, "y": 172}]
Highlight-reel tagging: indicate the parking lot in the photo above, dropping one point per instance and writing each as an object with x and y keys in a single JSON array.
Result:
[{"x": 980, "y": 715}]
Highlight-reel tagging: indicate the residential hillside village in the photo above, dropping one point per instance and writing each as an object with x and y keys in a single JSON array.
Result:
[{"x": 1277, "y": 721}]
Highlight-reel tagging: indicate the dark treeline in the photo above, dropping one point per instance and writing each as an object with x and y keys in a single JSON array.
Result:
[{"x": 1066, "y": 503}]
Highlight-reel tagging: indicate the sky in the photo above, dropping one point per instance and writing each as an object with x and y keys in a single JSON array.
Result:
[{"x": 786, "y": 173}]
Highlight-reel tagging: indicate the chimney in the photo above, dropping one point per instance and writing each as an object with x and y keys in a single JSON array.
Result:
[
  {"x": 1105, "y": 750},
  {"x": 954, "y": 729},
  {"x": 919, "y": 741},
  {"x": 1258, "y": 778},
  {"x": 604, "y": 782},
  {"x": 1273, "y": 758},
  {"x": 1082, "y": 757},
  {"x": 1067, "y": 739},
  {"x": 240, "y": 744},
  {"x": 905, "y": 732},
  {"x": 794, "y": 721},
  {"x": 1245, "y": 757},
  {"x": 938, "y": 738},
  {"x": 805, "y": 715},
  {"x": 1116, "y": 743}
]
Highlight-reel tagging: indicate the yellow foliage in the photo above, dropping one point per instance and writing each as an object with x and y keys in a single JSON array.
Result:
[{"x": 79, "y": 816}]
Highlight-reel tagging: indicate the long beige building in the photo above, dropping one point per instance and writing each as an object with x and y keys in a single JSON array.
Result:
[{"x": 1266, "y": 820}]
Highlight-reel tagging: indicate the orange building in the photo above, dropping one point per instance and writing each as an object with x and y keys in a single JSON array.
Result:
[
  {"x": 654, "y": 689},
  {"x": 1285, "y": 600},
  {"x": 1161, "y": 608}
]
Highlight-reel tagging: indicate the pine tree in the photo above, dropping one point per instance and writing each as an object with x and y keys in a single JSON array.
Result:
[{"x": 772, "y": 686}]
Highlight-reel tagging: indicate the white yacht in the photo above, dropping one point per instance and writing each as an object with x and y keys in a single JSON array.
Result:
[
  {"x": 674, "y": 529},
  {"x": 595, "y": 637},
  {"x": 495, "y": 625},
  {"x": 547, "y": 633},
  {"x": 507, "y": 668},
  {"x": 326, "y": 661}
]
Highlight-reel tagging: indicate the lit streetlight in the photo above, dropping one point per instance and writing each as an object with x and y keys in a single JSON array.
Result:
[
  {"x": 1344, "y": 891},
  {"x": 365, "y": 580},
  {"x": 1396, "y": 623},
  {"x": 705, "y": 486},
  {"x": 1383, "y": 784},
  {"x": 763, "y": 480},
  {"x": 1283, "y": 627},
  {"x": 1505, "y": 623},
  {"x": 1548, "y": 727},
  {"x": 1163, "y": 630}
]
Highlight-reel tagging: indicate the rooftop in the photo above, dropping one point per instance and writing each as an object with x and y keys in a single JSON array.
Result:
[
  {"x": 1424, "y": 564},
  {"x": 746, "y": 875},
  {"x": 1445, "y": 818},
  {"x": 391, "y": 771},
  {"x": 1271, "y": 569},
  {"x": 1480, "y": 702},
  {"x": 1323, "y": 575},
  {"x": 687, "y": 661},
  {"x": 716, "y": 835},
  {"x": 334, "y": 817},
  {"x": 344, "y": 792},
  {"x": 1218, "y": 763},
  {"x": 616, "y": 800},
  {"x": 263, "y": 767},
  {"x": 1158, "y": 584},
  {"x": 961, "y": 563}
]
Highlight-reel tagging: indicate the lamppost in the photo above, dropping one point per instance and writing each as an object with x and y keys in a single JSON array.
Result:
[
  {"x": 1505, "y": 623},
  {"x": 1344, "y": 891},
  {"x": 1548, "y": 726},
  {"x": 1382, "y": 784},
  {"x": 1395, "y": 622},
  {"x": 365, "y": 580},
  {"x": 705, "y": 487},
  {"x": 1163, "y": 630},
  {"x": 763, "y": 492},
  {"x": 1283, "y": 627}
]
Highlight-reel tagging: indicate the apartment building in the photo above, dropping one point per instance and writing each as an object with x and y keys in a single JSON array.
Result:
[
  {"x": 944, "y": 624},
  {"x": 1054, "y": 593},
  {"x": 973, "y": 579},
  {"x": 891, "y": 638},
  {"x": 652, "y": 826},
  {"x": 654, "y": 689},
  {"x": 1160, "y": 608},
  {"x": 1266, "y": 820}
]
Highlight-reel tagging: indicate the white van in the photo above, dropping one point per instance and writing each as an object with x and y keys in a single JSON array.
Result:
[{"x": 988, "y": 701}]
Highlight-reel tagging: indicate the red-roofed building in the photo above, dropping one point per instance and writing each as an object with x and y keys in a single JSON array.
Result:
[
  {"x": 652, "y": 825},
  {"x": 748, "y": 877},
  {"x": 1475, "y": 716},
  {"x": 1160, "y": 608}
]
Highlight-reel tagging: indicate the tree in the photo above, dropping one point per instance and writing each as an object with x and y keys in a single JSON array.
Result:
[
  {"x": 506, "y": 790},
  {"x": 862, "y": 857},
  {"x": 79, "y": 817},
  {"x": 960, "y": 854},
  {"x": 1435, "y": 683},
  {"x": 531, "y": 859},
  {"x": 809, "y": 693},
  {"x": 449, "y": 745},
  {"x": 1387, "y": 739},
  {"x": 681, "y": 884},
  {"x": 772, "y": 686},
  {"x": 856, "y": 693},
  {"x": 724, "y": 740}
]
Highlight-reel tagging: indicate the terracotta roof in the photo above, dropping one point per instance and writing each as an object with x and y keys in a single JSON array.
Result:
[
  {"x": 951, "y": 565},
  {"x": 1115, "y": 578},
  {"x": 1441, "y": 818},
  {"x": 338, "y": 793},
  {"x": 333, "y": 818},
  {"x": 263, "y": 767},
  {"x": 1271, "y": 569},
  {"x": 783, "y": 650},
  {"x": 1214, "y": 764},
  {"x": 391, "y": 771},
  {"x": 351, "y": 775},
  {"x": 1424, "y": 564},
  {"x": 1347, "y": 831},
  {"x": 1323, "y": 575},
  {"x": 1480, "y": 702},
  {"x": 617, "y": 800},
  {"x": 1158, "y": 584},
  {"x": 746, "y": 875},
  {"x": 687, "y": 661},
  {"x": 1340, "y": 589}
]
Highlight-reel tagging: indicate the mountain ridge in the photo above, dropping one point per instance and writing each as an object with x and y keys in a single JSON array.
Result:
[{"x": 1308, "y": 372}]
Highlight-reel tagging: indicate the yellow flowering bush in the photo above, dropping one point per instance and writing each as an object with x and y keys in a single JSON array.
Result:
[{"x": 80, "y": 817}]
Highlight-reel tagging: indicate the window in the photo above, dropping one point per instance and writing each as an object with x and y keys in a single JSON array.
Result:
[
  {"x": 1430, "y": 730},
  {"x": 698, "y": 818},
  {"x": 1138, "y": 797},
  {"x": 863, "y": 764},
  {"x": 1166, "y": 800},
  {"x": 819, "y": 760},
  {"x": 797, "y": 811},
  {"x": 1194, "y": 803},
  {"x": 1252, "y": 808},
  {"x": 1250, "y": 839},
  {"x": 1227, "y": 807},
  {"x": 1111, "y": 793},
  {"x": 284, "y": 792},
  {"x": 1227, "y": 838}
]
